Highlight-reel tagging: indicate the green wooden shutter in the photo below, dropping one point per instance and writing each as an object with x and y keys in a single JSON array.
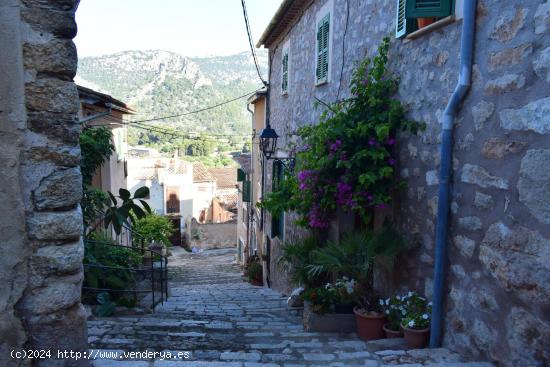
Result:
[
  {"x": 323, "y": 31},
  {"x": 428, "y": 8},
  {"x": 403, "y": 26},
  {"x": 246, "y": 191},
  {"x": 277, "y": 219},
  {"x": 241, "y": 176},
  {"x": 284, "y": 85}
]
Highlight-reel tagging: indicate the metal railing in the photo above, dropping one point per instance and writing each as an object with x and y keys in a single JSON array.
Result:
[{"x": 152, "y": 270}]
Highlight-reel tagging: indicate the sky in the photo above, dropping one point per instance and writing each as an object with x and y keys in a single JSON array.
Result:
[{"x": 187, "y": 27}]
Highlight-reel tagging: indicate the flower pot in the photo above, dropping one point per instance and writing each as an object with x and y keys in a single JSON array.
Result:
[
  {"x": 392, "y": 333},
  {"x": 370, "y": 326},
  {"x": 343, "y": 308},
  {"x": 423, "y": 22},
  {"x": 257, "y": 282},
  {"x": 415, "y": 338}
]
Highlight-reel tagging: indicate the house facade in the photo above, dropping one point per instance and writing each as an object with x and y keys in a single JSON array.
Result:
[
  {"x": 496, "y": 287},
  {"x": 111, "y": 176},
  {"x": 171, "y": 189}
]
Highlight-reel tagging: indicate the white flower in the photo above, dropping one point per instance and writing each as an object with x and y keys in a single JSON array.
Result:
[
  {"x": 387, "y": 301},
  {"x": 425, "y": 316},
  {"x": 411, "y": 323},
  {"x": 381, "y": 301},
  {"x": 430, "y": 304},
  {"x": 410, "y": 294},
  {"x": 398, "y": 298},
  {"x": 387, "y": 312},
  {"x": 403, "y": 312}
]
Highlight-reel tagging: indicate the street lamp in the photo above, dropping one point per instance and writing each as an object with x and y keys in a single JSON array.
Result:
[{"x": 268, "y": 142}]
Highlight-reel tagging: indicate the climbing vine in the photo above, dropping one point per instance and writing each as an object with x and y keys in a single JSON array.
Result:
[{"x": 348, "y": 159}]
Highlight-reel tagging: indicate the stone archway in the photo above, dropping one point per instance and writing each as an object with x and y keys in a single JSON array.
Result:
[{"x": 41, "y": 246}]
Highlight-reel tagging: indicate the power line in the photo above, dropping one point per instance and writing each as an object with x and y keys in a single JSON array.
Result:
[
  {"x": 251, "y": 42},
  {"x": 196, "y": 111}
]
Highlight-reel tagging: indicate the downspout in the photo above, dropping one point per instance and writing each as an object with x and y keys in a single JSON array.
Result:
[
  {"x": 464, "y": 83},
  {"x": 248, "y": 206}
]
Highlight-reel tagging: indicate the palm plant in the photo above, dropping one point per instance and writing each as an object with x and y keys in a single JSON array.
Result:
[
  {"x": 355, "y": 257},
  {"x": 296, "y": 258}
]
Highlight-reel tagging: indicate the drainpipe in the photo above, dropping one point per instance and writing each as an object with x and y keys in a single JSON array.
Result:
[{"x": 464, "y": 82}]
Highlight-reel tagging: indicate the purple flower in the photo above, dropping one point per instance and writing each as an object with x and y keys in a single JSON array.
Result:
[
  {"x": 392, "y": 161},
  {"x": 335, "y": 146},
  {"x": 391, "y": 141},
  {"x": 344, "y": 194},
  {"x": 380, "y": 206},
  {"x": 372, "y": 142},
  {"x": 317, "y": 218},
  {"x": 304, "y": 148},
  {"x": 343, "y": 156}
]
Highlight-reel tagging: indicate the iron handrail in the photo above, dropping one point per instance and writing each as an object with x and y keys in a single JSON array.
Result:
[{"x": 136, "y": 243}]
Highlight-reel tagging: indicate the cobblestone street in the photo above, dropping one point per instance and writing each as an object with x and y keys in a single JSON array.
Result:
[{"x": 223, "y": 321}]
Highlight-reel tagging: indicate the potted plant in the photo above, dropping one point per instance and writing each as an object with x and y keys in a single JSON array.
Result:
[
  {"x": 394, "y": 309},
  {"x": 416, "y": 323},
  {"x": 424, "y": 22},
  {"x": 369, "y": 315},
  {"x": 355, "y": 256},
  {"x": 320, "y": 300},
  {"x": 255, "y": 273},
  {"x": 343, "y": 288}
]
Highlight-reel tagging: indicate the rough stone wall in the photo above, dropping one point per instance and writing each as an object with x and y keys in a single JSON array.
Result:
[
  {"x": 499, "y": 247},
  {"x": 42, "y": 256}
]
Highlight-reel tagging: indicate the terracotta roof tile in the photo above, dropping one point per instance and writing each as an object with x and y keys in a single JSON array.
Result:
[
  {"x": 201, "y": 174},
  {"x": 225, "y": 177}
]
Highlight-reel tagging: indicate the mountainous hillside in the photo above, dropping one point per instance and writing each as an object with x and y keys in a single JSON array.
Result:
[{"x": 161, "y": 83}]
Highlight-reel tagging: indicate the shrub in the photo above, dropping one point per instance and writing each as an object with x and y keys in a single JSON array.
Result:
[{"x": 154, "y": 227}]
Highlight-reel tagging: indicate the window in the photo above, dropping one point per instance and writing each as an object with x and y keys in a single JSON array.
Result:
[
  {"x": 277, "y": 219},
  {"x": 323, "y": 46},
  {"x": 408, "y": 11},
  {"x": 284, "y": 74},
  {"x": 246, "y": 192}
]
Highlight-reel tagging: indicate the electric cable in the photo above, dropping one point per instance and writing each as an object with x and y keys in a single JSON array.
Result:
[{"x": 251, "y": 43}]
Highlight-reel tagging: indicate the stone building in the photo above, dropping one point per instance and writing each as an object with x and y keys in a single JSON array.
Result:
[
  {"x": 41, "y": 267},
  {"x": 497, "y": 287}
]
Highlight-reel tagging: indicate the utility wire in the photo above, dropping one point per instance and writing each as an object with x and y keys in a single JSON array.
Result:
[
  {"x": 196, "y": 111},
  {"x": 251, "y": 43}
]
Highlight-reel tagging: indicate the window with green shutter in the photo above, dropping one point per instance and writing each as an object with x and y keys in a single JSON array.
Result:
[
  {"x": 241, "y": 175},
  {"x": 246, "y": 191},
  {"x": 277, "y": 219},
  {"x": 409, "y": 10},
  {"x": 323, "y": 32},
  {"x": 284, "y": 74},
  {"x": 428, "y": 8},
  {"x": 403, "y": 26}
]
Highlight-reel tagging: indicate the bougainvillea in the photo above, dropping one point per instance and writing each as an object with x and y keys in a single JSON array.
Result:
[{"x": 348, "y": 159}]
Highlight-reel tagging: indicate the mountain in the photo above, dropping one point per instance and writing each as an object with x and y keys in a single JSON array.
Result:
[{"x": 161, "y": 83}]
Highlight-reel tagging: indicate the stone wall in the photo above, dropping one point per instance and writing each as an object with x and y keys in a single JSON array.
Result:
[
  {"x": 213, "y": 235},
  {"x": 41, "y": 263},
  {"x": 497, "y": 287}
]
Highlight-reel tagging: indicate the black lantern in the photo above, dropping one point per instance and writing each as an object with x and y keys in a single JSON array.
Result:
[{"x": 268, "y": 142}]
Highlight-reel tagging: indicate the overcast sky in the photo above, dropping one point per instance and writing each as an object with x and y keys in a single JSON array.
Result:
[{"x": 188, "y": 27}]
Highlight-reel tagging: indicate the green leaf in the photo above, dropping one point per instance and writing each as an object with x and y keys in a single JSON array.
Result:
[
  {"x": 146, "y": 206},
  {"x": 124, "y": 194},
  {"x": 113, "y": 198},
  {"x": 141, "y": 193},
  {"x": 138, "y": 212}
]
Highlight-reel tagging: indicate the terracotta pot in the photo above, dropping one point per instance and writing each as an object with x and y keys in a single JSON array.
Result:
[
  {"x": 257, "y": 282},
  {"x": 392, "y": 333},
  {"x": 370, "y": 326},
  {"x": 423, "y": 22},
  {"x": 415, "y": 338}
]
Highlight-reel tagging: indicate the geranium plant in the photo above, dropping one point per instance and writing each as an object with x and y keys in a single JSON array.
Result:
[
  {"x": 321, "y": 299},
  {"x": 348, "y": 159}
]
